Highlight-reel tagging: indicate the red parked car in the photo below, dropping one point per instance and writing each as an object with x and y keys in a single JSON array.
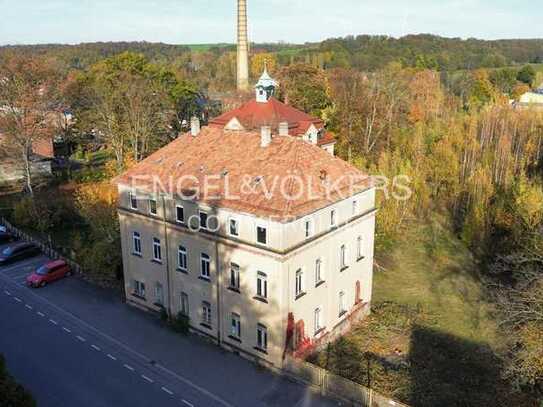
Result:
[{"x": 48, "y": 272}]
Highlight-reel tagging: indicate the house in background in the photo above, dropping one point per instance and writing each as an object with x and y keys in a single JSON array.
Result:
[
  {"x": 261, "y": 271},
  {"x": 531, "y": 99}
]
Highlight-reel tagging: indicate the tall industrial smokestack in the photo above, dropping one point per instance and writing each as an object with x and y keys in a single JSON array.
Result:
[{"x": 243, "y": 47}]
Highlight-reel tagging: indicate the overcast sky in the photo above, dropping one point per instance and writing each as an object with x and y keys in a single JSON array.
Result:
[{"x": 209, "y": 21}]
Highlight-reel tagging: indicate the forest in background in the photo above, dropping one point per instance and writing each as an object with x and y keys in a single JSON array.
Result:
[{"x": 434, "y": 109}]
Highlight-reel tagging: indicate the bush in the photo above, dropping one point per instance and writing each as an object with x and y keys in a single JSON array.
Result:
[
  {"x": 11, "y": 393},
  {"x": 181, "y": 323}
]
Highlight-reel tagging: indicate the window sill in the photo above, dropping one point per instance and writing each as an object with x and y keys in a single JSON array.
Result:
[
  {"x": 182, "y": 270},
  {"x": 206, "y": 279},
  {"x": 206, "y": 325},
  {"x": 234, "y": 289},
  {"x": 299, "y": 296},
  {"x": 342, "y": 313},
  {"x": 264, "y": 351},
  {"x": 137, "y": 255},
  {"x": 360, "y": 258},
  {"x": 320, "y": 283},
  {"x": 139, "y": 297},
  {"x": 234, "y": 338},
  {"x": 156, "y": 261},
  {"x": 343, "y": 269},
  {"x": 320, "y": 331},
  {"x": 261, "y": 299}
]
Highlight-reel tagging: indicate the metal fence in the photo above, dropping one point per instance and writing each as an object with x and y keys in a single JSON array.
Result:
[
  {"x": 336, "y": 386},
  {"x": 46, "y": 248}
]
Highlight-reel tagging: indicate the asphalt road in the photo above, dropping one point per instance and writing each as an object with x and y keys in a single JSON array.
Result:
[{"x": 72, "y": 344}]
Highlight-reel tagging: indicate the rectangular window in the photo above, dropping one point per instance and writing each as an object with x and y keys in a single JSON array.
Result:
[
  {"x": 333, "y": 220},
  {"x": 318, "y": 320},
  {"x": 206, "y": 313},
  {"x": 261, "y": 337},
  {"x": 359, "y": 248},
  {"x": 234, "y": 276},
  {"x": 159, "y": 294},
  {"x": 342, "y": 304},
  {"x": 233, "y": 227},
  {"x": 157, "y": 250},
  {"x": 235, "y": 329},
  {"x": 299, "y": 282},
  {"x": 343, "y": 257},
  {"x": 179, "y": 214},
  {"x": 308, "y": 228},
  {"x": 205, "y": 264},
  {"x": 139, "y": 289},
  {"x": 318, "y": 272},
  {"x": 136, "y": 243},
  {"x": 203, "y": 220},
  {"x": 182, "y": 261},
  {"x": 355, "y": 207},
  {"x": 185, "y": 304},
  {"x": 133, "y": 200},
  {"x": 152, "y": 207},
  {"x": 261, "y": 285},
  {"x": 261, "y": 235}
]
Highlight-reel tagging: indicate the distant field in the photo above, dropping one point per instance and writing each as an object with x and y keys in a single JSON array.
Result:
[{"x": 207, "y": 47}]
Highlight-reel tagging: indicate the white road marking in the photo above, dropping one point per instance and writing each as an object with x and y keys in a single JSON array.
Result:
[
  {"x": 66, "y": 329},
  {"x": 146, "y": 378},
  {"x": 164, "y": 389},
  {"x": 28, "y": 306},
  {"x": 7, "y": 292},
  {"x": 53, "y": 322},
  {"x": 96, "y": 348},
  {"x": 129, "y": 367},
  {"x": 81, "y": 338},
  {"x": 111, "y": 357},
  {"x": 41, "y": 314},
  {"x": 20, "y": 276},
  {"x": 17, "y": 299},
  {"x": 187, "y": 403}
]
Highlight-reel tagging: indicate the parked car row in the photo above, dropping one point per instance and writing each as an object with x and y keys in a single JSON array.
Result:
[{"x": 14, "y": 251}]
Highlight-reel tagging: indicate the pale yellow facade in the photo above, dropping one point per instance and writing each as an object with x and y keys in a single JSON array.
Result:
[{"x": 340, "y": 233}]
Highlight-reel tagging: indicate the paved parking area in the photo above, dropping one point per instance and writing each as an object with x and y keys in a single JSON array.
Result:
[{"x": 18, "y": 271}]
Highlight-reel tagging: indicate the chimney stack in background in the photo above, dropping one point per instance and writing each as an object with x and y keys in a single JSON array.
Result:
[
  {"x": 243, "y": 47},
  {"x": 194, "y": 126},
  {"x": 265, "y": 136},
  {"x": 283, "y": 129}
]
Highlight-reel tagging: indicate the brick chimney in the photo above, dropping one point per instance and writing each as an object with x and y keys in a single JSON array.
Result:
[{"x": 283, "y": 129}]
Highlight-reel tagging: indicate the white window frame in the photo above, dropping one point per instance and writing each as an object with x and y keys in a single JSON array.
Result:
[
  {"x": 182, "y": 257},
  {"x": 157, "y": 249},
  {"x": 356, "y": 207},
  {"x": 265, "y": 228},
  {"x": 333, "y": 218},
  {"x": 261, "y": 285},
  {"x": 151, "y": 212},
  {"x": 139, "y": 288},
  {"x": 136, "y": 243},
  {"x": 234, "y": 276},
  {"x": 133, "y": 197},
  {"x": 206, "y": 312},
  {"x": 341, "y": 303},
  {"x": 309, "y": 229},
  {"x": 184, "y": 302},
  {"x": 205, "y": 266},
  {"x": 319, "y": 272},
  {"x": 343, "y": 257},
  {"x": 177, "y": 207},
  {"x": 318, "y": 320},
  {"x": 262, "y": 337},
  {"x": 236, "y": 222},
  {"x": 299, "y": 284},
  {"x": 235, "y": 325},
  {"x": 359, "y": 247},
  {"x": 159, "y": 293}
]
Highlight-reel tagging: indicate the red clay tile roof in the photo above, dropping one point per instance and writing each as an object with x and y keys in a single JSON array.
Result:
[
  {"x": 253, "y": 115},
  {"x": 250, "y": 170}
]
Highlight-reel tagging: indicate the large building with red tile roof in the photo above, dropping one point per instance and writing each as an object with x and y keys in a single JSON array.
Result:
[{"x": 258, "y": 236}]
